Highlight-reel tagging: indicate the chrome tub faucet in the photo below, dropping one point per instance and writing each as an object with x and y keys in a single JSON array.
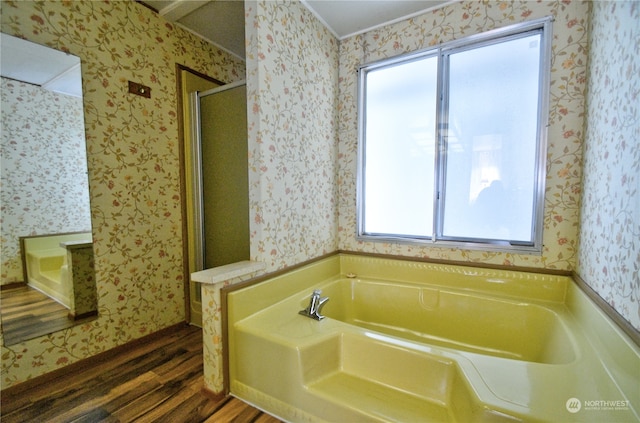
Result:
[{"x": 315, "y": 303}]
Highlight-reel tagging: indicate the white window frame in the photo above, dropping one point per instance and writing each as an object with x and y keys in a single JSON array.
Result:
[{"x": 544, "y": 27}]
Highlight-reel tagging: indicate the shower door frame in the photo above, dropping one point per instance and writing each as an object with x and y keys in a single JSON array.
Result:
[{"x": 196, "y": 156}]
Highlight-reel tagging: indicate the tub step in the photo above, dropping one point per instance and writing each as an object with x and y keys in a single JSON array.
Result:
[
  {"x": 385, "y": 381},
  {"x": 43, "y": 260},
  {"x": 377, "y": 401}
]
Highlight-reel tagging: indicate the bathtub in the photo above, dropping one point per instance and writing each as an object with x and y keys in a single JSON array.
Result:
[
  {"x": 453, "y": 319},
  {"x": 418, "y": 342},
  {"x": 45, "y": 264}
]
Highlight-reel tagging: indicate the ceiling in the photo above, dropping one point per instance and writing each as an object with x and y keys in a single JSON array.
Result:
[
  {"x": 222, "y": 21},
  {"x": 35, "y": 64}
]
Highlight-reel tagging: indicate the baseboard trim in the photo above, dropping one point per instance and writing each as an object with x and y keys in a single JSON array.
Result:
[
  {"x": 215, "y": 396},
  {"x": 13, "y": 285},
  {"x": 83, "y": 316}
]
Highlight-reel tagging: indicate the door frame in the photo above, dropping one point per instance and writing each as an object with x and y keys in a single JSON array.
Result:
[
  {"x": 196, "y": 156},
  {"x": 182, "y": 145}
]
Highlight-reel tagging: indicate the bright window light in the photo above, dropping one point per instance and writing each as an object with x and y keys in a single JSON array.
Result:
[{"x": 452, "y": 142}]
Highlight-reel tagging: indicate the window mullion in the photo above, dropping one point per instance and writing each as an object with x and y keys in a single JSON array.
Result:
[{"x": 442, "y": 128}]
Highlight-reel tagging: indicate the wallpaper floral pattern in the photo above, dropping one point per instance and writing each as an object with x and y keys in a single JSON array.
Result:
[
  {"x": 292, "y": 86},
  {"x": 83, "y": 280},
  {"x": 609, "y": 259},
  {"x": 301, "y": 85},
  {"x": 133, "y": 161},
  {"x": 44, "y": 169},
  {"x": 564, "y": 157}
]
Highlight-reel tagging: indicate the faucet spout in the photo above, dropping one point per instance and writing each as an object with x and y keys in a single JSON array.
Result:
[{"x": 315, "y": 303}]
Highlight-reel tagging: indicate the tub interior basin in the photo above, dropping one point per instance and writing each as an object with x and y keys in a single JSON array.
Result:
[{"x": 464, "y": 321}]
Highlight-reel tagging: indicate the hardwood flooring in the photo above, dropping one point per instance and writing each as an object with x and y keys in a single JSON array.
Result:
[
  {"x": 27, "y": 313},
  {"x": 159, "y": 380}
]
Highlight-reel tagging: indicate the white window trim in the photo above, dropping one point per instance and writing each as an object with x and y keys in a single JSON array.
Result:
[{"x": 543, "y": 123}]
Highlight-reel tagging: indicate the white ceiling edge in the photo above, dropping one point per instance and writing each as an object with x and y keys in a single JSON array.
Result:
[
  {"x": 368, "y": 15},
  {"x": 320, "y": 18},
  {"x": 68, "y": 82},
  {"x": 377, "y": 26},
  {"x": 37, "y": 64},
  {"x": 179, "y": 9},
  {"x": 226, "y": 50}
]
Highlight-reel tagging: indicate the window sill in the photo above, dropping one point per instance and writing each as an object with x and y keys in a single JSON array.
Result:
[{"x": 492, "y": 246}]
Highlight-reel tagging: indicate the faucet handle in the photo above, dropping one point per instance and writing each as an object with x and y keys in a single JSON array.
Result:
[{"x": 316, "y": 301}]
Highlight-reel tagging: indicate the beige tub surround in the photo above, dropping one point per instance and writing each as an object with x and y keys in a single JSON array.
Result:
[
  {"x": 213, "y": 280},
  {"x": 416, "y": 341}
]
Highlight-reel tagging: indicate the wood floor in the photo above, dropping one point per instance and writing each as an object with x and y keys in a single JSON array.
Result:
[
  {"x": 28, "y": 313},
  {"x": 160, "y": 380}
]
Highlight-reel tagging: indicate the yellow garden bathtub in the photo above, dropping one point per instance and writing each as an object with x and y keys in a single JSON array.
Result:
[{"x": 406, "y": 341}]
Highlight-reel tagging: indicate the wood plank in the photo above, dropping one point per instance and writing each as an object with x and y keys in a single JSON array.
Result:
[
  {"x": 28, "y": 313},
  {"x": 234, "y": 411},
  {"x": 141, "y": 405},
  {"x": 185, "y": 406},
  {"x": 186, "y": 363},
  {"x": 122, "y": 394},
  {"x": 58, "y": 398},
  {"x": 160, "y": 379},
  {"x": 175, "y": 398},
  {"x": 101, "y": 365},
  {"x": 109, "y": 369},
  {"x": 266, "y": 418}
]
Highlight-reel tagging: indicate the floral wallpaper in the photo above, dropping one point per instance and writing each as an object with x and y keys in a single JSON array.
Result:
[
  {"x": 44, "y": 169},
  {"x": 302, "y": 123},
  {"x": 565, "y": 134},
  {"x": 83, "y": 280},
  {"x": 133, "y": 162},
  {"x": 609, "y": 259},
  {"x": 292, "y": 86}
]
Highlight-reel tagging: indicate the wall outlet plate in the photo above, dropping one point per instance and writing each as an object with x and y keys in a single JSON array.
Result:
[{"x": 139, "y": 89}]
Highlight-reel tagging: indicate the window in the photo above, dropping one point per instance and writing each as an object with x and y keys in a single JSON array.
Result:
[{"x": 453, "y": 142}]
